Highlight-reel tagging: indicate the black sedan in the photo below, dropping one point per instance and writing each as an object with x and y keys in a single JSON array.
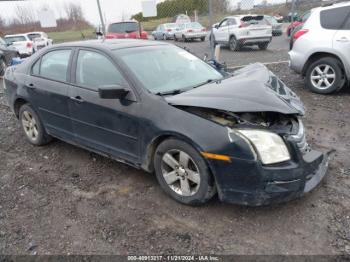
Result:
[{"x": 157, "y": 107}]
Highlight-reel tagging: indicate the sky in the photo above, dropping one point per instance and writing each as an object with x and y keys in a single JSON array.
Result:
[{"x": 113, "y": 10}]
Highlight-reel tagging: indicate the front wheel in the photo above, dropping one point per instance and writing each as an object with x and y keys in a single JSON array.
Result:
[
  {"x": 325, "y": 76},
  {"x": 233, "y": 44},
  {"x": 263, "y": 46},
  {"x": 32, "y": 126},
  {"x": 182, "y": 173}
]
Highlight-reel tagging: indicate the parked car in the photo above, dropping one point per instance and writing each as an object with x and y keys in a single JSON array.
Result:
[
  {"x": 7, "y": 53},
  {"x": 243, "y": 30},
  {"x": 279, "y": 18},
  {"x": 190, "y": 31},
  {"x": 165, "y": 31},
  {"x": 297, "y": 23},
  {"x": 239, "y": 134},
  {"x": 276, "y": 26},
  {"x": 321, "y": 49},
  {"x": 40, "y": 40},
  {"x": 21, "y": 43},
  {"x": 129, "y": 29}
]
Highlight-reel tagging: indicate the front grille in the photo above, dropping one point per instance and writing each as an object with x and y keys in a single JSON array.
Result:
[{"x": 300, "y": 139}]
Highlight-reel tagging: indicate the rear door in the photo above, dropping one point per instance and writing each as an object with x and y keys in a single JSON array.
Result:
[
  {"x": 48, "y": 87},
  {"x": 106, "y": 125},
  {"x": 340, "y": 24}
]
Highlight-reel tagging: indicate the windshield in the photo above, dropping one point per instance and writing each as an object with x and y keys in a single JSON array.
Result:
[
  {"x": 194, "y": 25},
  {"x": 170, "y": 26},
  {"x": 165, "y": 69},
  {"x": 33, "y": 36},
  {"x": 123, "y": 27},
  {"x": 11, "y": 39}
]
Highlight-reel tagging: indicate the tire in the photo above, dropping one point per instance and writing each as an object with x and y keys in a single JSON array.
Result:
[
  {"x": 203, "y": 39},
  {"x": 263, "y": 46},
  {"x": 36, "y": 128},
  {"x": 164, "y": 37},
  {"x": 233, "y": 44},
  {"x": 195, "y": 193},
  {"x": 175, "y": 38},
  {"x": 3, "y": 67},
  {"x": 325, "y": 69},
  {"x": 184, "y": 38}
]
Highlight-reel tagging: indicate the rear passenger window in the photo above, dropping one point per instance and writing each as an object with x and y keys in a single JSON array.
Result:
[
  {"x": 54, "y": 65},
  {"x": 334, "y": 19},
  {"x": 95, "y": 70}
]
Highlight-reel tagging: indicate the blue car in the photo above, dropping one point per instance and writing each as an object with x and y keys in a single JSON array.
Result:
[{"x": 165, "y": 31}]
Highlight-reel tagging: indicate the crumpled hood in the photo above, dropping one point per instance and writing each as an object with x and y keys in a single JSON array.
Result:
[{"x": 251, "y": 89}]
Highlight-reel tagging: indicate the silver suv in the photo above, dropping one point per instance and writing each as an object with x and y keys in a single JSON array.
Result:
[{"x": 322, "y": 47}]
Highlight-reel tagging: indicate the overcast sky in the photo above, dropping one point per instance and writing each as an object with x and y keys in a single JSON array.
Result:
[{"x": 113, "y": 10}]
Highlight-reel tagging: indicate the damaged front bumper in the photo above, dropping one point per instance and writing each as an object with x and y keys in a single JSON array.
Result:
[{"x": 251, "y": 184}]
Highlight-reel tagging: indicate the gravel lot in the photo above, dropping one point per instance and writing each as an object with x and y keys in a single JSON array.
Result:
[{"x": 60, "y": 199}]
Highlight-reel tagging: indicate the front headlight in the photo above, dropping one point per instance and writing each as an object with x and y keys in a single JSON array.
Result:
[{"x": 270, "y": 146}]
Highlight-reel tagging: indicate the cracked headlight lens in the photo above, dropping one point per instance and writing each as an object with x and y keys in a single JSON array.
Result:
[{"x": 270, "y": 146}]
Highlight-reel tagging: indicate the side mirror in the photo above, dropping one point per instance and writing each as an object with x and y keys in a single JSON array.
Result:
[
  {"x": 217, "y": 26},
  {"x": 112, "y": 92}
]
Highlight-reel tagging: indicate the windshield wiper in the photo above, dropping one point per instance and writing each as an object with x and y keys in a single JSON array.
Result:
[
  {"x": 172, "y": 92},
  {"x": 206, "y": 82}
]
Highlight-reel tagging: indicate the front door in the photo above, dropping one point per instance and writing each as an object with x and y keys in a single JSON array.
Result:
[{"x": 106, "y": 125}]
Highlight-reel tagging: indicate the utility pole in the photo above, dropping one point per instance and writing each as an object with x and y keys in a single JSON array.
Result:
[
  {"x": 212, "y": 50},
  {"x": 101, "y": 18}
]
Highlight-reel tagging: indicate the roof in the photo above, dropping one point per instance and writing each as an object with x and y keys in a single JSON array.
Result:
[
  {"x": 15, "y": 35},
  {"x": 112, "y": 44}
]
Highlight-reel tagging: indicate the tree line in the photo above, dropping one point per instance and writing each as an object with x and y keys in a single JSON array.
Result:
[{"x": 171, "y": 8}]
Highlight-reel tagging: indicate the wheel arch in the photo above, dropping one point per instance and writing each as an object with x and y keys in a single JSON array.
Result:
[
  {"x": 147, "y": 163},
  {"x": 318, "y": 55},
  {"x": 19, "y": 102}
]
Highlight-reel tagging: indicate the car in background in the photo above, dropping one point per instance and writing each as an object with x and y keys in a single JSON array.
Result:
[
  {"x": 321, "y": 49},
  {"x": 297, "y": 23},
  {"x": 243, "y": 30},
  {"x": 7, "y": 54},
  {"x": 40, "y": 40},
  {"x": 159, "y": 108},
  {"x": 279, "y": 18},
  {"x": 190, "y": 31},
  {"x": 22, "y": 43},
  {"x": 165, "y": 31},
  {"x": 128, "y": 29},
  {"x": 276, "y": 26}
]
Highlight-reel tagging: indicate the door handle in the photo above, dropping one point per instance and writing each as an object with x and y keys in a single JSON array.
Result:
[
  {"x": 31, "y": 86},
  {"x": 77, "y": 99},
  {"x": 343, "y": 40}
]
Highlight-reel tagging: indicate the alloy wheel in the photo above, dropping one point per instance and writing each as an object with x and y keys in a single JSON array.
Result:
[
  {"x": 323, "y": 76},
  {"x": 180, "y": 172},
  {"x": 30, "y": 125}
]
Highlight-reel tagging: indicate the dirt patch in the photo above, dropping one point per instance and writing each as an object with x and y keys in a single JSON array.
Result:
[{"x": 60, "y": 199}]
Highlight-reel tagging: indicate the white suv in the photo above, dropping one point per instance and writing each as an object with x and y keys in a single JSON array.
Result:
[
  {"x": 321, "y": 49},
  {"x": 243, "y": 30}
]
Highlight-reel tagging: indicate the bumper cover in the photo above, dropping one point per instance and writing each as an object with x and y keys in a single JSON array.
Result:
[{"x": 272, "y": 185}]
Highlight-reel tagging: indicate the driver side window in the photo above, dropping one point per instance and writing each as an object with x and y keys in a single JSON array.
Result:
[{"x": 223, "y": 23}]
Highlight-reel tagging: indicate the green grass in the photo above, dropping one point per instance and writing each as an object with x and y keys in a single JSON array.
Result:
[{"x": 72, "y": 35}]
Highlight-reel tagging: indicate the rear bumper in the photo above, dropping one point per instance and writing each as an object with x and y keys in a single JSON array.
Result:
[
  {"x": 254, "y": 40},
  {"x": 259, "y": 186},
  {"x": 195, "y": 35},
  {"x": 296, "y": 61}
]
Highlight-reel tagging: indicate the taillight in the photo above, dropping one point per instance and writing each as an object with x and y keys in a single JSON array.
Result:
[
  {"x": 169, "y": 30},
  {"x": 29, "y": 45},
  {"x": 190, "y": 31},
  {"x": 300, "y": 33},
  {"x": 204, "y": 30},
  {"x": 109, "y": 36},
  {"x": 243, "y": 24}
]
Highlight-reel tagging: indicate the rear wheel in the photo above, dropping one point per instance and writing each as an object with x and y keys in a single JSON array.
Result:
[
  {"x": 164, "y": 37},
  {"x": 175, "y": 38},
  {"x": 32, "y": 126},
  {"x": 233, "y": 44},
  {"x": 263, "y": 46},
  {"x": 182, "y": 173},
  {"x": 184, "y": 39},
  {"x": 203, "y": 38},
  {"x": 325, "y": 76}
]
